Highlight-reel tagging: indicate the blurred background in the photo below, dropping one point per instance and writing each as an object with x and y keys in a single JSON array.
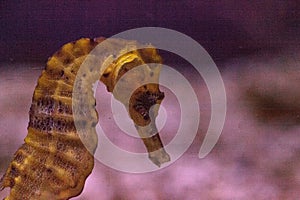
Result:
[
  {"x": 255, "y": 45},
  {"x": 33, "y": 30}
]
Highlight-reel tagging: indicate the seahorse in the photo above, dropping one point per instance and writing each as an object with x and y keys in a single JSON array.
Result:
[{"x": 49, "y": 163}]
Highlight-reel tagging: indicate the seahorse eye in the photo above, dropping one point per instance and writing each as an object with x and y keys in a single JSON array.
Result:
[
  {"x": 145, "y": 100},
  {"x": 53, "y": 161}
]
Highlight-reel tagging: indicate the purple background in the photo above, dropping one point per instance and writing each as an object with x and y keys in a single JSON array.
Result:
[
  {"x": 34, "y": 30},
  {"x": 254, "y": 43}
]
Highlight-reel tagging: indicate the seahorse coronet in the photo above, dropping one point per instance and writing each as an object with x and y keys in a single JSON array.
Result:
[{"x": 49, "y": 163}]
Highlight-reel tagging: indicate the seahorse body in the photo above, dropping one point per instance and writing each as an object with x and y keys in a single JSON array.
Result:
[{"x": 49, "y": 164}]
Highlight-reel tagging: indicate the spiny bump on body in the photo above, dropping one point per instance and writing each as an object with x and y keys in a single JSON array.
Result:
[{"x": 49, "y": 164}]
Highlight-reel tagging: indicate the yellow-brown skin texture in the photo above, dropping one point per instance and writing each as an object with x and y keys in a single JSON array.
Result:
[{"x": 49, "y": 164}]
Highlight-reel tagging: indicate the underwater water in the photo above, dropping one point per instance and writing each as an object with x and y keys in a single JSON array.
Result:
[{"x": 257, "y": 155}]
